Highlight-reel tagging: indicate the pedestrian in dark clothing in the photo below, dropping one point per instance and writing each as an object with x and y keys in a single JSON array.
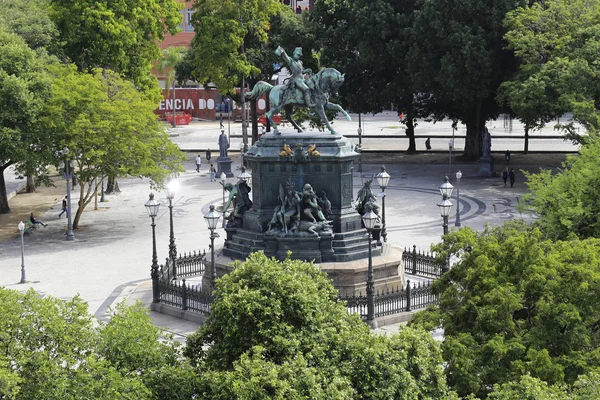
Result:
[
  {"x": 221, "y": 126},
  {"x": 64, "y": 206},
  {"x": 208, "y": 155},
  {"x": 505, "y": 176},
  {"x": 36, "y": 221},
  {"x": 428, "y": 144},
  {"x": 511, "y": 175}
]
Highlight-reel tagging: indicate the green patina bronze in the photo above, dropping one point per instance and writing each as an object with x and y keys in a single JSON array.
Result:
[{"x": 304, "y": 89}]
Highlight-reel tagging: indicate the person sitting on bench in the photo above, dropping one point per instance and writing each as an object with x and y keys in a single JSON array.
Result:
[{"x": 35, "y": 221}]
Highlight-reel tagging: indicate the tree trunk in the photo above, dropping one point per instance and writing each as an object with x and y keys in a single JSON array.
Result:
[
  {"x": 473, "y": 140},
  {"x": 253, "y": 110},
  {"x": 4, "y": 208},
  {"x": 112, "y": 186},
  {"x": 30, "y": 185},
  {"x": 410, "y": 133},
  {"x": 526, "y": 149},
  {"x": 79, "y": 211}
]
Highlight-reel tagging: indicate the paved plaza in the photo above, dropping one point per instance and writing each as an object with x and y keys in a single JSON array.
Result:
[{"x": 111, "y": 256}]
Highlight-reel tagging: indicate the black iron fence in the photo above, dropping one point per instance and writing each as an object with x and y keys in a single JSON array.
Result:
[
  {"x": 420, "y": 263},
  {"x": 172, "y": 290},
  {"x": 179, "y": 294},
  {"x": 413, "y": 297}
]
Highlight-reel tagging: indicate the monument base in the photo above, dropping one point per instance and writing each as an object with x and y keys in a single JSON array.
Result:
[
  {"x": 347, "y": 277},
  {"x": 486, "y": 167},
  {"x": 224, "y": 165}
]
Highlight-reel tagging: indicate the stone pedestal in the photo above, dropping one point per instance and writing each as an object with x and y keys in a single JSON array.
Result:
[
  {"x": 324, "y": 161},
  {"x": 486, "y": 167},
  {"x": 347, "y": 277},
  {"x": 224, "y": 165}
]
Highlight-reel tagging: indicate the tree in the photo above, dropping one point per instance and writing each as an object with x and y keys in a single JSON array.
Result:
[
  {"x": 51, "y": 349},
  {"x": 24, "y": 88},
  {"x": 276, "y": 329},
  {"x": 458, "y": 59},
  {"x": 35, "y": 27},
  {"x": 170, "y": 59},
  {"x": 110, "y": 130},
  {"x": 528, "y": 388},
  {"x": 567, "y": 202},
  {"x": 369, "y": 42},
  {"x": 122, "y": 36},
  {"x": 555, "y": 42},
  {"x": 517, "y": 304},
  {"x": 218, "y": 52}
]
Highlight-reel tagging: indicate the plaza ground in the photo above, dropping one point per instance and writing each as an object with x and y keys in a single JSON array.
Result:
[{"x": 111, "y": 256}]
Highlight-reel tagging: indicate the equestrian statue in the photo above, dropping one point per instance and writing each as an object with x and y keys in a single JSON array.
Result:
[{"x": 304, "y": 89}]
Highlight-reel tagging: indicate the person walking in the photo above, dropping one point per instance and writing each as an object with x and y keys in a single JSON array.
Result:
[
  {"x": 212, "y": 171},
  {"x": 198, "y": 163},
  {"x": 505, "y": 175},
  {"x": 511, "y": 175},
  {"x": 64, "y": 206}
]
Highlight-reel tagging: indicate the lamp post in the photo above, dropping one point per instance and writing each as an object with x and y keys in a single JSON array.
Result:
[
  {"x": 445, "y": 206},
  {"x": 152, "y": 207},
  {"x": 171, "y": 188},
  {"x": 359, "y": 130},
  {"x": 383, "y": 178},
  {"x": 369, "y": 220},
  {"x": 66, "y": 168},
  {"x": 245, "y": 176},
  {"x": 21, "y": 226},
  {"x": 458, "y": 176},
  {"x": 450, "y": 146},
  {"x": 212, "y": 219}
]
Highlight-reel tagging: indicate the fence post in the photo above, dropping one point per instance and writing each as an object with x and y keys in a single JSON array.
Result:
[
  {"x": 184, "y": 299},
  {"x": 414, "y": 260},
  {"x": 407, "y": 295}
]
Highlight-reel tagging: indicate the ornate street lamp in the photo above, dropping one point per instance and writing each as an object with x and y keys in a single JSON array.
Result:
[
  {"x": 383, "y": 178},
  {"x": 458, "y": 176},
  {"x": 445, "y": 206},
  {"x": 450, "y": 146},
  {"x": 152, "y": 207},
  {"x": 66, "y": 169},
  {"x": 171, "y": 188},
  {"x": 21, "y": 227},
  {"x": 212, "y": 220},
  {"x": 369, "y": 220},
  {"x": 245, "y": 176}
]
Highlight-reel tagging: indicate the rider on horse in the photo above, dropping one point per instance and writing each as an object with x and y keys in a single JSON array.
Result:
[{"x": 298, "y": 72}]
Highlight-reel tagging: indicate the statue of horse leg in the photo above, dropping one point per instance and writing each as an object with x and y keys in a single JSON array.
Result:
[
  {"x": 321, "y": 112},
  {"x": 288, "y": 115},
  {"x": 337, "y": 107},
  {"x": 269, "y": 114}
]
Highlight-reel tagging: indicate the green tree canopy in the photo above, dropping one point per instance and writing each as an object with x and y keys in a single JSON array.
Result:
[
  {"x": 120, "y": 35},
  {"x": 24, "y": 88},
  {"x": 458, "y": 58},
  {"x": 51, "y": 349},
  {"x": 109, "y": 128},
  {"x": 276, "y": 330},
  {"x": 517, "y": 304},
  {"x": 557, "y": 44},
  {"x": 567, "y": 202},
  {"x": 30, "y": 20}
]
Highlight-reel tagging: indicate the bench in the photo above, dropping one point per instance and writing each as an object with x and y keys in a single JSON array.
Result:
[{"x": 29, "y": 226}]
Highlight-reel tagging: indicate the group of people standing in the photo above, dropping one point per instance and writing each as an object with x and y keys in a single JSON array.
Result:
[{"x": 211, "y": 169}]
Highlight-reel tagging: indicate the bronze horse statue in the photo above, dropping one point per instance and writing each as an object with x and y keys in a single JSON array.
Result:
[{"x": 325, "y": 82}]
